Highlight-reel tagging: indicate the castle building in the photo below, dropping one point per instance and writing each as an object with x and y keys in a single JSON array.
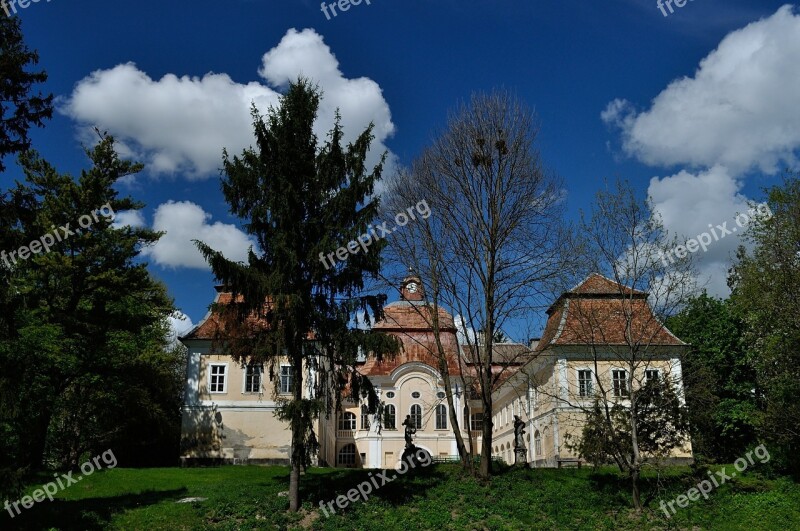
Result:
[{"x": 228, "y": 413}]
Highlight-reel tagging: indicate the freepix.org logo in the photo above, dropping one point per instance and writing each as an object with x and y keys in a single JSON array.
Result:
[
  {"x": 371, "y": 236},
  {"x": 62, "y": 481},
  {"x": 57, "y": 235},
  {"x": 10, "y": 6}
]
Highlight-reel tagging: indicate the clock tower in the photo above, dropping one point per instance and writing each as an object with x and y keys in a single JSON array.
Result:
[{"x": 411, "y": 289}]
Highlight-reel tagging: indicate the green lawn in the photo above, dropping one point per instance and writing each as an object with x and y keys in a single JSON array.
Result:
[{"x": 438, "y": 497}]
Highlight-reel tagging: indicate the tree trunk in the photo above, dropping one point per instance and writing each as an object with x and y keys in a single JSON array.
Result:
[
  {"x": 636, "y": 458},
  {"x": 445, "y": 373},
  {"x": 637, "y": 500},
  {"x": 33, "y": 449},
  {"x": 298, "y": 433},
  {"x": 486, "y": 438}
]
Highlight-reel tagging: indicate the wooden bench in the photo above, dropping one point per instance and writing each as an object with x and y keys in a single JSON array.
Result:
[{"x": 569, "y": 460}]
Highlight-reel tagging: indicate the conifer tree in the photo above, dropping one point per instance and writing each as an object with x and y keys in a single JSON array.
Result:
[
  {"x": 302, "y": 201},
  {"x": 20, "y": 108}
]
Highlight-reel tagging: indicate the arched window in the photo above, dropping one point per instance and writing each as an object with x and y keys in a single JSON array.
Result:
[
  {"x": 347, "y": 421},
  {"x": 537, "y": 443},
  {"x": 347, "y": 455},
  {"x": 416, "y": 416},
  {"x": 364, "y": 418},
  {"x": 441, "y": 417},
  {"x": 390, "y": 417}
]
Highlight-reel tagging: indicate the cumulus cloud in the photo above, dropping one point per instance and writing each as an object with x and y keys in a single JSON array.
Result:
[
  {"x": 741, "y": 109},
  {"x": 691, "y": 204},
  {"x": 465, "y": 333},
  {"x": 739, "y": 112},
  {"x": 179, "y": 324},
  {"x": 185, "y": 221},
  {"x": 130, "y": 218},
  {"x": 179, "y": 125}
]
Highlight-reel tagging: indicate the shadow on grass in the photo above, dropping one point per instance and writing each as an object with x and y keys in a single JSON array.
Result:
[
  {"x": 86, "y": 514},
  {"x": 327, "y": 484}
]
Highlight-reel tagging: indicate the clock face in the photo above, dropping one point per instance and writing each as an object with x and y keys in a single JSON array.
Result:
[{"x": 412, "y": 287}]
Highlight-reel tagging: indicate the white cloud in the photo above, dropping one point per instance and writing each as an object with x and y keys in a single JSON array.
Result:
[
  {"x": 181, "y": 124},
  {"x": 179, "y": 324},
  {"x": 465, "y": 334},
  {"x": 741, "y": 109},
  {"x": 688, "y": 203},
  {"x": 130, "y": 218},
  {"x": 186, "y": 221}
]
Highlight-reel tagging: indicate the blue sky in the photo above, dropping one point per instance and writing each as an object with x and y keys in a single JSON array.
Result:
[{"x": 698, "y": 109}]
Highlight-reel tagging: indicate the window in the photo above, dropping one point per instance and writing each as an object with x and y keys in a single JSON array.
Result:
[
  {"x": 347, "y": 455},
  {"x": 252, "y": 378},
  {"x": 364, "y": 418},
  {"x": 286, "y": 379},
  {"x": 390, "y": 394},
  {"x": 217, "y": 380},
  {"x": 537, "y": 443},
  {"x": 505, "y": 416},
  {"x": 585, "y": 383},
  {"x": 651, "y": 375},
  {"x": 347, "y": 421},
  {"x": 440, "y": 395},
  {"x": 389, "y": 417},
  {"x": 415, "y": 394},
  {"x": 441, "y": 417},
  {"x": 416, "y": 416},
  {"x": 619, "y": 379},
  {"x": 476, "y": 421}
]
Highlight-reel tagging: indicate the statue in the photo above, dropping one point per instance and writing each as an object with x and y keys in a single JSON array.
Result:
[
  {"x": 410, "y": 430},
  {"x": 519, "y": 432},
  {"x": 520, "y": 450},
  {"x": 379, "y": 416}
]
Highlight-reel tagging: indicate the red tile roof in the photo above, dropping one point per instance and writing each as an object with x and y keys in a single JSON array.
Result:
[
  {"x": 600, "y": 311},
  {"x": 221, "y": 321},
  {"x": 411, "y": 323},
  {"x": 413, "y": 315}
]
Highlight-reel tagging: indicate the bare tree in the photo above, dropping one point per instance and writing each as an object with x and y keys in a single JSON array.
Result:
[
  {"x": 636, "y": 413},
  {"x": 496, "y": 242}
]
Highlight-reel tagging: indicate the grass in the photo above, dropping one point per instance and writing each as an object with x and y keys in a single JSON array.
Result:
[{"x": 439, "y": 497}]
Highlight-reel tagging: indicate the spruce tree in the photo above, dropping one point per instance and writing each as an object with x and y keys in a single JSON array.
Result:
[
  {"x": 20, "y": 108},
  {"x": 302, "y": 200}
]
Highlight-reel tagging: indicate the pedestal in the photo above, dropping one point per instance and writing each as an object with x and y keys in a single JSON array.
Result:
[{"x": 520, "y": 456}]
